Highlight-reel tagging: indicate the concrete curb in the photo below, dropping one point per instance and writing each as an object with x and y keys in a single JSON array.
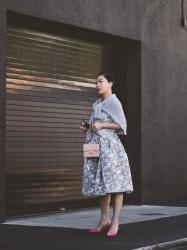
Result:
[{"x": 167, "y": 245}]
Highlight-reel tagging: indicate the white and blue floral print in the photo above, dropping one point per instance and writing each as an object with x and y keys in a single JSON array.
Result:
[{"x": 110, "y": 173}]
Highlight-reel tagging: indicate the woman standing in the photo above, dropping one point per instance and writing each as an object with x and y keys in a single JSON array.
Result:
[{"x": 110, "y": 173}]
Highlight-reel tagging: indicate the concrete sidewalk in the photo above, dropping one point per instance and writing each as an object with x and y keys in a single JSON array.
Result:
[
  {"x": 159, "y": 218},
  {"x": 86, "y": 218}
]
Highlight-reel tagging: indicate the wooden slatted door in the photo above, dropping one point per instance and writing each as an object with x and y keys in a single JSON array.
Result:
[{"x": 50, "y": 86}]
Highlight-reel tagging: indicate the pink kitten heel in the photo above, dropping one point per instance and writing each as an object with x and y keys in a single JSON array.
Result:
[
  {"x": 98, "y": 230},
  {"x": 112, "y": 233}
]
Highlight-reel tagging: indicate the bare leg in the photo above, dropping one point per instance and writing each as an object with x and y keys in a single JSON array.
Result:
[
  {"x": 118, "y": 201},
  {"x": 105, "y": 205}
]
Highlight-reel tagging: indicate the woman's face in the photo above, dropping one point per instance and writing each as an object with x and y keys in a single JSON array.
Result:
[{"x": 102, "y": 85}]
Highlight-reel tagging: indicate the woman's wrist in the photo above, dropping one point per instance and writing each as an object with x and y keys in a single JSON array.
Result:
[
  {"x": 102, "y": 125},
  {"x": 105, "y": 125},
  {"x": 110, "y": 126}
]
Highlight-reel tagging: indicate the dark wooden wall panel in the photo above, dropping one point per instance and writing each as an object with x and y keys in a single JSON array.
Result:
[{"x": 50, "y": 86}]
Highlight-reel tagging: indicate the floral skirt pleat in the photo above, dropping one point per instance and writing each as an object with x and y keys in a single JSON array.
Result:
[{"x": 110, "y": 173}]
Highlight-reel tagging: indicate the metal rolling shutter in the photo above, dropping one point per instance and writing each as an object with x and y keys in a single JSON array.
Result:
[{"x": 49, "y": 88}]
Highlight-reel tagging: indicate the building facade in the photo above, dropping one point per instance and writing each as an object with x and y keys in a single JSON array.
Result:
[{"x": 50, "y": 52}]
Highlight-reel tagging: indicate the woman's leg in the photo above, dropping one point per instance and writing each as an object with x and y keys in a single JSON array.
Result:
[
  {"x": 105, "y": 206},
  {"x": 118, "y": 201}
]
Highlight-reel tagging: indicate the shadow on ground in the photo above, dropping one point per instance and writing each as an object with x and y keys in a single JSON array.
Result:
[{"x": 131, "y": 236}]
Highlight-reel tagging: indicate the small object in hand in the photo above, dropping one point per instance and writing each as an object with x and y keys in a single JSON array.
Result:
[{"x": 85, "y": 124}]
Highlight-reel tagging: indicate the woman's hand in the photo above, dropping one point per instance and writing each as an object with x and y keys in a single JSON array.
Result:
[
  {"x": 96, "y": 126},
  {"x": 84, "y": 126},
  {"x": 83, "y": 129}
]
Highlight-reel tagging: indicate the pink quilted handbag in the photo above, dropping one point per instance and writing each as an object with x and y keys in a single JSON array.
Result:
[{"x": 91, "y": 150}]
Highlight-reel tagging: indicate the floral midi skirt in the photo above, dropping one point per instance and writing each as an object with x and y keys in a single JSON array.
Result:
[{"x": 110, "y": 173}]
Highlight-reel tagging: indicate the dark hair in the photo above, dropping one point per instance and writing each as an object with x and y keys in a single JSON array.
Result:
[{"x": 107, "y": 76}]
